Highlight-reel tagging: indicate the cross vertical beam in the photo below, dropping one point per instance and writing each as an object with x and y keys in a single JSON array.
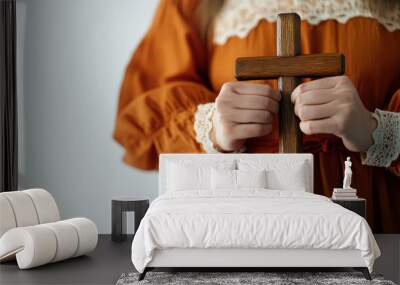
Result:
[{"x": 288, "y": 44}]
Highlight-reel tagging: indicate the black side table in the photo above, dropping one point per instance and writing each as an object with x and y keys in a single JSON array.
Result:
[
  {"x": 357, "y": 205},
  {"x": 119, "y": 207}
]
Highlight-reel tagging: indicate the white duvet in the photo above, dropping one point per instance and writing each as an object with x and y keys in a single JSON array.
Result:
[{"x": 252, "y": 218}]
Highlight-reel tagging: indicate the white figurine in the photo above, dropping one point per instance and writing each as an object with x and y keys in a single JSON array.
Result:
[
  {"x": 347, "y": 192},
  {"x": 347, "y": 174}
]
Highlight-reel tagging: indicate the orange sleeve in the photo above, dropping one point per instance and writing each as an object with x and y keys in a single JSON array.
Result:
[
  {"x": 163, "y": 84},
  {"x": 394, "y": 106}
]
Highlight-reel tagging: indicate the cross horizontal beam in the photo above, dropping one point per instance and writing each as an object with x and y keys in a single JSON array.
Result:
[{"x": 272, "y": 67}]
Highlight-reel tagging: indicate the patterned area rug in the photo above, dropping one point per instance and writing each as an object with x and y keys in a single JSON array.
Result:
[{"x": 243, "y": 278}]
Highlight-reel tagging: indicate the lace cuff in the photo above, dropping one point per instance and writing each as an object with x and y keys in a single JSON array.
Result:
[
  {"x": 386, "y": 136},
  {"x": 203, "y": 126}
]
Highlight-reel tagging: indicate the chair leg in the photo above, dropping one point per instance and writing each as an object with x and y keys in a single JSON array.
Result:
[
  {"x": 364, "y": 271},
  {"x": 142, "y": 275}
]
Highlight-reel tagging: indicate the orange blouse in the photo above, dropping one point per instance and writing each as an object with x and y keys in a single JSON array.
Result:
[{"x": 173, "y": 71}]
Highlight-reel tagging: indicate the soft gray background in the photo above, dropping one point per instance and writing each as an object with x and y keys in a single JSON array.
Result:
[{"x": 71, "y": 57}]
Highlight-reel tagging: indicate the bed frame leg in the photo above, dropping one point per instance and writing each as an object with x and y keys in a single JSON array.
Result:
[
  {"x": 364, "y": 271},
  {"x": 143, "y": 274}
]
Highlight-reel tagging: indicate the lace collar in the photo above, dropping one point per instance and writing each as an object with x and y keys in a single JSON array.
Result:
[{"x": 239, "y": 17}]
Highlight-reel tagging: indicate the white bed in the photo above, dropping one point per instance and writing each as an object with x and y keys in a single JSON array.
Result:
[{"x": 202, "y": 226}]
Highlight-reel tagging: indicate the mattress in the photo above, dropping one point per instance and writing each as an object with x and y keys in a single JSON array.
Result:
[{"x": 251, "y": 219}]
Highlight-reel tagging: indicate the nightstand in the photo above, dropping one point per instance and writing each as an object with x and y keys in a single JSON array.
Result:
[
  {"x": 119, "y": 207},
  {"x": 357, "y": 205}
]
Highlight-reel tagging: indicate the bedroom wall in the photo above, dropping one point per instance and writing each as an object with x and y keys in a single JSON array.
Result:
[{"x": 71, "y": 57}]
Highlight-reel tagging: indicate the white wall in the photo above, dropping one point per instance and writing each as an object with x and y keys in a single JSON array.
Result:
[{"x": 71, "y": 58}]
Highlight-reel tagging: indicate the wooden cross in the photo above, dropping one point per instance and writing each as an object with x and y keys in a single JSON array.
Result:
[{"x": 288, "y": 66}]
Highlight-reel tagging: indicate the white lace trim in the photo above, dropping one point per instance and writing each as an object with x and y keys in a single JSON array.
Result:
[
  {"x": 203, "y": 126},
  {"x": 386, "y": 147},
  {"x": 239, "y": 17}
]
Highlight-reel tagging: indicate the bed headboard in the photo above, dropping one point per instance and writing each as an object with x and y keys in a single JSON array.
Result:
[{"x": 268, "y": 158}]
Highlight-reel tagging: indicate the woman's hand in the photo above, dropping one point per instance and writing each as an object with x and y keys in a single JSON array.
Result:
[
  {"x": 332, "y": 106},
  {"x": 242, "y": 111}
]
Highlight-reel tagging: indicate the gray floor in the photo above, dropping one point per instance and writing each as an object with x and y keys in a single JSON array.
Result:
[
  {"x": 389, "y": 262},
  {"x": 110, "y": 260},
  {"x": 103, "y": 266}
]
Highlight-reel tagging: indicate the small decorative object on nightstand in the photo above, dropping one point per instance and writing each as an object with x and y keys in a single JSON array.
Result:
[
  {"x": 121, "y": 205},
  {"x": 357, "y": 205},
  {"x": 347, "y": 196},
  {"x": 347, "y": 192}
]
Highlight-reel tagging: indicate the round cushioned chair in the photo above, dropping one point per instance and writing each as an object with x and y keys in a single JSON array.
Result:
[{"x": 31, "y": 231}]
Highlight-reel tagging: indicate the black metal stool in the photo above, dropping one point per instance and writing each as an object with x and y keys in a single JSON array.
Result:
[{"x": 119, "y": 207}]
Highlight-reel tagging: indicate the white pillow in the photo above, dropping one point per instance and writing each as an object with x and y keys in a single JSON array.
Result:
[
  {"x": 236, "y": 179},
  {"x": 251, "y": 178},
  {"x": 223, "y": 179},
  {"x": 281, "y": 174},
  {"x": 294, "y": 178},
  {"x": 186, "y": 175}
]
